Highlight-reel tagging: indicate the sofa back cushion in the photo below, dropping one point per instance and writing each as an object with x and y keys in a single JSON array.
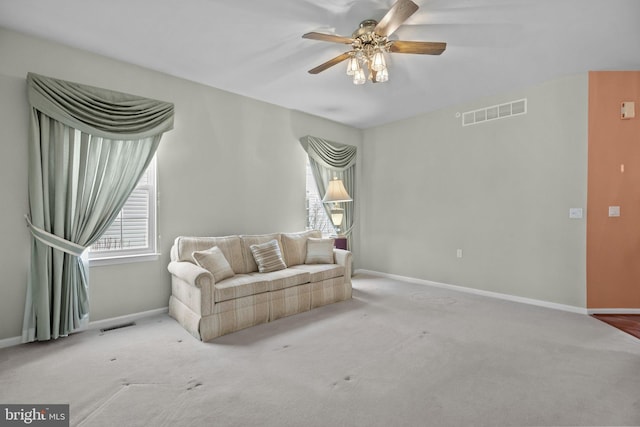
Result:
[
  {"x": 250, "y": 265},
  {"x": 294, "y": 246},
  {"x": 231, "y": 247}
]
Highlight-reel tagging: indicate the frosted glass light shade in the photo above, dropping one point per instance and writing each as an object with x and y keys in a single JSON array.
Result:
[
  {"x": 378, "y": 63},
  {"x": 382, "y": 76},
  {"x": 352, "y": 66},
  {"x": 337, "y": 215}
]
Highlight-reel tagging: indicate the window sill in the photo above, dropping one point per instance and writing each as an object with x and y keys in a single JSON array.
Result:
[{"x": 123, "y": 259}]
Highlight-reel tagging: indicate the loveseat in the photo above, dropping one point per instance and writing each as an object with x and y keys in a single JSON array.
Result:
[{"x": 223, "y": 284}]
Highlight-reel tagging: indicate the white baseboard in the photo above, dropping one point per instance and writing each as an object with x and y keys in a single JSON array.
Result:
[
  {"x": 514, "y": 298},
  {"x": 98, "y": 324},
  {"x": 614, "y": 310},
  {"x": 114, "y": 321},
  {"x": 10, "y": 342}
]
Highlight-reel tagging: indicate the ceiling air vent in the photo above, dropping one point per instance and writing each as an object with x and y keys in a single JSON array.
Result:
[{"x": 501, "y": 111}]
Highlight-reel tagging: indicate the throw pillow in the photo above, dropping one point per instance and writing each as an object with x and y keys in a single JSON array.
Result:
[
  {"x": 294, "y": 246},
  {"x": 255, "y": 239},
  {"x": 268, "y": 256},
  {"x": 319, "y": 251},
  {"x": 213, "y": 260}
]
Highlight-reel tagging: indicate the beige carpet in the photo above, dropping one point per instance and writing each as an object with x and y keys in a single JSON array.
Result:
[{"x": 398, "y": 354}]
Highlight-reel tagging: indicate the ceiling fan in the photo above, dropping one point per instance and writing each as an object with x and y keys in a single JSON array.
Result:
[{"x": 371, "y": 41}]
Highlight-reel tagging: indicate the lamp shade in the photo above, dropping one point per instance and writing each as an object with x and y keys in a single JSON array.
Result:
[{"x": 336, "y": 192}]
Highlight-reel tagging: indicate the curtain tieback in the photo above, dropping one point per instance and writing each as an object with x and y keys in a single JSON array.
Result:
[{"x": 54, "y": 241}]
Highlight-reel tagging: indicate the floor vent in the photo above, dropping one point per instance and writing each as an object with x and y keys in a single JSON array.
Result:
[
  {"x": 111, "y": 328},
  {"x": 495, "y": 112}
]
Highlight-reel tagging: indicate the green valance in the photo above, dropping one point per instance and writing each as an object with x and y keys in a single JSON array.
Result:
[
  {"x": 329, "y": 154},
  {"x": 98, "y": 111}
]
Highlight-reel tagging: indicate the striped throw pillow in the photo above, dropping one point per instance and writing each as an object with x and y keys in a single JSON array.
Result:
[{"x": 268, "y": 256}]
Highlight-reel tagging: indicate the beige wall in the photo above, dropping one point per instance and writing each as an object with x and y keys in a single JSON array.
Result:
[
  {"x": 500, "y": 191},
  {"x": 231, "y": 165}
]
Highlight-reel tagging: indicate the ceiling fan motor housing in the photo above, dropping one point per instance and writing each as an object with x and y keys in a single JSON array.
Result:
[
  {"x": 366, "y": 41},
  {"x": 366, "y": 26}
]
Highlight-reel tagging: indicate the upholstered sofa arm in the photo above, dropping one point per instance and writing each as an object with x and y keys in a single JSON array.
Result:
[
  {"x": 344, "y": 258},
  {"x": 191, "y": 274}
]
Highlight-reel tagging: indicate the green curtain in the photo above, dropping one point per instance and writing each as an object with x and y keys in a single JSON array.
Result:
[
  {"x": 328, "y": 160},
  {"x": 88, "y": 147}
]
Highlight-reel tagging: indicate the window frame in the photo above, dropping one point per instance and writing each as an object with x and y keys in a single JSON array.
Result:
[{"x": 148, "y": 253}]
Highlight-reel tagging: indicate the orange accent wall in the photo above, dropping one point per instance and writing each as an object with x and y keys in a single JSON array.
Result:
[{"x": 613, "y": 243}]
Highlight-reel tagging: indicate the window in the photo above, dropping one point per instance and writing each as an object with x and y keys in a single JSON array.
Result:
[
  {"x": 317, "y": 218},
  {"x": 132, "y": 236}
]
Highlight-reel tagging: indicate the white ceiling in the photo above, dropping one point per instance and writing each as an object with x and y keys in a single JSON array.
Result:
[{"x": 254, "y": 47}]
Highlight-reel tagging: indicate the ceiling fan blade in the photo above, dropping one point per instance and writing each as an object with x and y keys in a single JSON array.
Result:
[
  {"x": 330, "y": 63},
  {"x": 399, "y": 12},
  {"x": 328, "y": 38},
  {"x": 425, "y": 48}
]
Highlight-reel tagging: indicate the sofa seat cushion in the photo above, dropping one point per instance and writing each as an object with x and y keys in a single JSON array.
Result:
[
  {"x": 320, "y": 272},
  {"x": 283, "y": 279},
  {"x": 240, "y": 285}
]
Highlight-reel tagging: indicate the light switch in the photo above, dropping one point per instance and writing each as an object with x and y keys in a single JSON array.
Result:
[
  {"x": 628, "y": 110},
  {"x": 575, "y": 213},
  {"x": 614, "y": 210}
]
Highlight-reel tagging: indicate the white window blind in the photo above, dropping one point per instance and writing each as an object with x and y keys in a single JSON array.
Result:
[{"x": 133, "y": 231}]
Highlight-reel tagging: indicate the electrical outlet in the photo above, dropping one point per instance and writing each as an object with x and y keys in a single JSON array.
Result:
[
  {"x": 575, "y": 213},
  {"x": 459, "y": 253}
]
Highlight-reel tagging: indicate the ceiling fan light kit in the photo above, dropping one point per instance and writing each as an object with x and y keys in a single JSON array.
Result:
[
  {"x": 370, "y": 42},
  {"x": 368, "y": 53},
  {"x": 359, "y": 77}
]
